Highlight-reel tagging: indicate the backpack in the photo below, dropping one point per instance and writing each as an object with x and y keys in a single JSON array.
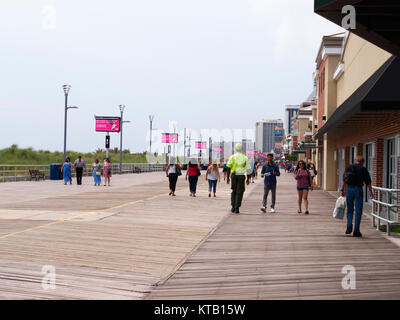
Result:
[{"x": 349, "y": 177}]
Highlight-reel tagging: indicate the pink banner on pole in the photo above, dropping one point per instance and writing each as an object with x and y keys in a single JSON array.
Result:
[
  {"x": 108, "y": 125},
  {"x": 252, "y": 153},
  {"x": 169, "y": 138},
  {"x": 218, "y": 149},
  {"x": 200, "y": 145}
]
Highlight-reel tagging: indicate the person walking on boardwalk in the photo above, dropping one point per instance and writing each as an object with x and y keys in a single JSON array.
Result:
[
  {"x": 67, "y": 171},
  {"x": 238, "y": 165},
  {"x": 172, "y": 171},
  {"x": 304, "y": 184},
  {"x": 352, "y": 187},
  {"x": 270, "y": 171},
  {"x": 107, "y": 171},
  {"x": 213, "y": 177},
  {"x": 193, "y": 173},
  {"x": 254, "y": 173},
  {"x": 97, "y": 172},
  {"x": 311, "y": 168},
  {"x": 225, "y": 170},
  {"x": 79, "y": 164}
]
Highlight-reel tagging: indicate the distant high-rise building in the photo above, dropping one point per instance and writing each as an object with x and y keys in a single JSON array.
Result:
[
  {"x": 268, "y": 133},
  {"x": 290, "y": 112}
]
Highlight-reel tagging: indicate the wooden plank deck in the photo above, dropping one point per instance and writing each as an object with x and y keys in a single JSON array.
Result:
[
  {"x": 286, "y": 256},
  {"x": 105, "y": 242}
]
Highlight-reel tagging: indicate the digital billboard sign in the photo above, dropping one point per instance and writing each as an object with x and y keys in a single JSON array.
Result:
[
  {"x": 169, "y": 138},
  {"x": 278, "y": 132},
  {"x": 108, "y": 124},
  {"x": 201, "y": 145}
]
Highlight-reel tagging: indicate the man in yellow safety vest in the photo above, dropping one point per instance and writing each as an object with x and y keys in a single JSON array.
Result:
[{"x": 238, "y": 165}]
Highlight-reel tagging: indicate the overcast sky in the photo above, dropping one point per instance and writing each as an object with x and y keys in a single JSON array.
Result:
[{"x": 205, "y": 63}]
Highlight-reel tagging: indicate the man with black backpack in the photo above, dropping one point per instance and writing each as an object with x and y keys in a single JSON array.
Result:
[{"x": 352, "y": 186}]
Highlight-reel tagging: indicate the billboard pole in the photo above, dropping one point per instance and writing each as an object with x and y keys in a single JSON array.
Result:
[{"x": 107, "y": 143}]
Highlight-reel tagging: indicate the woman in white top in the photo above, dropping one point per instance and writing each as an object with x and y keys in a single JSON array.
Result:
[
  {"x": 172, "y": 171},
  {"x": 212, "y": 176}
]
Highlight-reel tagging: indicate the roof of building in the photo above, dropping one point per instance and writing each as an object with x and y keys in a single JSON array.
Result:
[
  {"x": 379, "y": 92},
  {"x": 377, "y": 21},
  {"x": 330, "y": 45}
]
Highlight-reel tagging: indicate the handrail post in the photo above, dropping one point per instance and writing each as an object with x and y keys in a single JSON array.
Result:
[
  {"x": 379, "y": 212},
  {"x": 373, "y": 212}
]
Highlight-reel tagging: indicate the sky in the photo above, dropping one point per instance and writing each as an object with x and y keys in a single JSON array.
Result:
[{"x": 204, "y": 63}]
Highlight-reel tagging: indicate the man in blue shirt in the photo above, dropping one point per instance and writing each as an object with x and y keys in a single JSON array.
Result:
[{"x": 270, "y": 171}]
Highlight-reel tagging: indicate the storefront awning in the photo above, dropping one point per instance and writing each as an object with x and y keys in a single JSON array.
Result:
[
  {"x": 377, "y": 21},
  {"x": 380, "y": 92}
]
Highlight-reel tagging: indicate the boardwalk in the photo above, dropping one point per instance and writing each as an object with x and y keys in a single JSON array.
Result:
[
  {"x": 105, "y": 242},
  {"x": 133, "y": 241},
  {"x": 286, "y": 256}
]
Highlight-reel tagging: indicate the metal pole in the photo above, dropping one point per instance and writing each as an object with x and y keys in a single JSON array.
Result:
[
  {"x": 174, "y": 152},
  {"x": 151, "y": 137},
  {"x": 65, "y": 126},
  {"x": 210, "y": 150},
  {"x": 120, "y": 141},
  {"x": 184, "y": 145},
  {"x": 107, "y": 149}
]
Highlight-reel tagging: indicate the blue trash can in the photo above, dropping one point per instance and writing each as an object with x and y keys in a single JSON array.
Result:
[{"x": 55, "y": 171}]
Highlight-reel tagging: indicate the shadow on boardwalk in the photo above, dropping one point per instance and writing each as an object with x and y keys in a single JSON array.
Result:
[{"x": 286, "y": 256}]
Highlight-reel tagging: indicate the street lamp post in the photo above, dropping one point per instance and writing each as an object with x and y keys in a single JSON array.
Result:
[
  {"x": 151, "y": 118},
  {"x": 121, "y": 109},
  {"x": 66, "y": 88}
]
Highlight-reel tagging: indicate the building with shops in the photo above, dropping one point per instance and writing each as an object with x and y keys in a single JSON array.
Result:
[
  {"x": 358, "y": 112},
  {"x": 268, "y": 134},
  {"x": 363, "y": 116},
  {"x": 359, "y": 96}
]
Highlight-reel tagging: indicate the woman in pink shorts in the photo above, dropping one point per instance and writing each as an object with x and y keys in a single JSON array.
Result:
[
  {"x": 304, "y": 184},
  {"x": 107, "y": 171}
]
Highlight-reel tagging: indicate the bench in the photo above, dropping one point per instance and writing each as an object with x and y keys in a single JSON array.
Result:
[
  {"x": 136, "y": 170},
  {"x": 37, "y": 175}
]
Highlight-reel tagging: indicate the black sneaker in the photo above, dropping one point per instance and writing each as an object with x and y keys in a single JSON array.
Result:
[
  {"x": 349, "y": 230},
  {"x": 237, "y": 211},
  {"x": 306, "y": 212},
  {"x": 233, "y": 210},
  {"x": 357, "y": 234}
]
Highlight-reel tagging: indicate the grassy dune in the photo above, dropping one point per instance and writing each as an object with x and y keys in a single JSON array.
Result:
[{"x": 15, "y": 155}]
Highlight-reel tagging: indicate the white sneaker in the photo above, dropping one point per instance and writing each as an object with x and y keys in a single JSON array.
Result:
[{"x": 272, "y": 210}]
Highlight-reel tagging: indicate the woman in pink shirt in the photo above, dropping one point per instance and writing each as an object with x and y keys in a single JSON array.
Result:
[{"x": 304, "y": 184}]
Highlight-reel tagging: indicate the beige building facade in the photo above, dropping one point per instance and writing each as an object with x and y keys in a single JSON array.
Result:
[{"x": 346, "y": 78}]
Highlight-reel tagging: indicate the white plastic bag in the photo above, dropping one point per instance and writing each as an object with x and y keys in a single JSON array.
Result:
[{"x": 340, "y": 208}]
